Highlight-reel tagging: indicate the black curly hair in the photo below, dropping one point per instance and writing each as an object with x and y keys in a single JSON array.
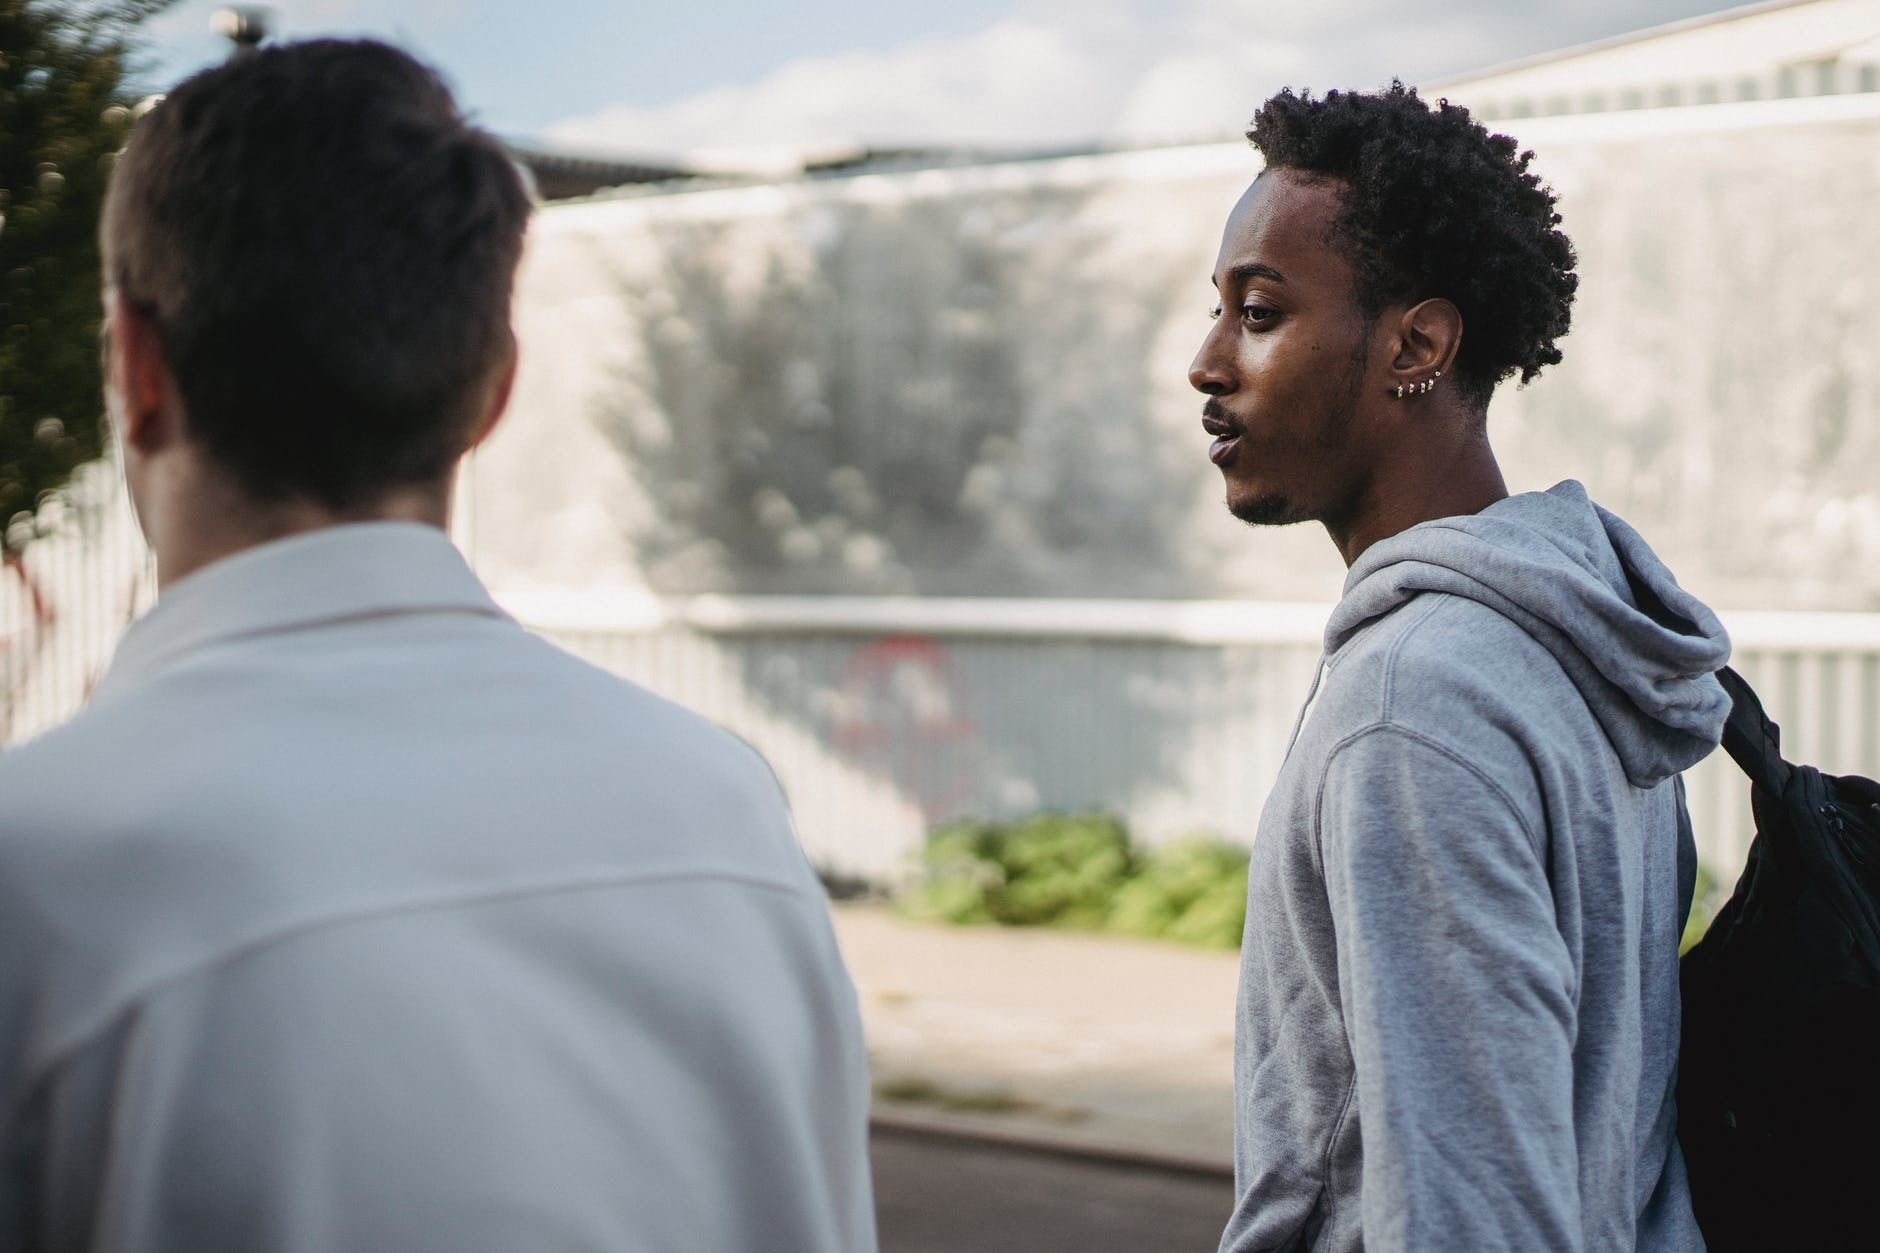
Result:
[{"x": 1434, "y": 205}]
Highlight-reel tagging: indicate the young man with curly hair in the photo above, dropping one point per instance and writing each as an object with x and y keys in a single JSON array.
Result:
[
  {"x": 1458, "y": 1015},
  {"x": 349, "y": 915}
]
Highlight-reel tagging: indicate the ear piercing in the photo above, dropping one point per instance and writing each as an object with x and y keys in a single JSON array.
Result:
[{"x": 1416, "y": 389}]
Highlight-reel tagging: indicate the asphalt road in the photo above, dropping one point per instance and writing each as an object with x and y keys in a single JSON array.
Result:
[{"x": 943, "y": 1195}]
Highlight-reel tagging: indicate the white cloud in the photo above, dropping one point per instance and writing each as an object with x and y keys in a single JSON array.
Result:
[
  {"x": 1060, "y": 73},
  {"x": 1048, "y": 74},
  {"x": 1021, "y": 80}
]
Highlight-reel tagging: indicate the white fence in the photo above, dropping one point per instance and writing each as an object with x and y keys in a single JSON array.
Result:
[
  {"x": 65, "y": 600},
  {"x": 1819, "y": 678},
  {"x": 883, "y": 716}
]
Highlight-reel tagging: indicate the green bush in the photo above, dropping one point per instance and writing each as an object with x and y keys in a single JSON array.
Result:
[
  {"x": 1193, "y": 890},
  {"x": 1058, "y": 869},
  {"x": 1079, "y": 870},
  {"x": 959, "y": 867},
  {"x": 1062, "y": 869}
]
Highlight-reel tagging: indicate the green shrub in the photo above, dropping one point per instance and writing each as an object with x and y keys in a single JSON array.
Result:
[
  {"x": 1217, "y": 918},
  {"x": 1193, "y": 890},
  {"x": 1054, "y": 868},
  {"x": 1078, "y": 870},
  {"x": 960, "y": 869},
  {"x": 1062, "y": 869}
]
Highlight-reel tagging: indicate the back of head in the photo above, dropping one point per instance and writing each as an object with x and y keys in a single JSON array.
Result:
[
  {"x": 1436, "y": 206},
  {"x": 327, "y": 249}
]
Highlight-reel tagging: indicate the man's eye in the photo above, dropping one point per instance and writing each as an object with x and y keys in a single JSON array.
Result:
[
  {"x": 1215, "y": 312},
  {"x": 1257, "y": 313}
]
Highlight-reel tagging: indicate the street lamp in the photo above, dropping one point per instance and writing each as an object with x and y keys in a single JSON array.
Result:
[{"x": 244, "y": 25}]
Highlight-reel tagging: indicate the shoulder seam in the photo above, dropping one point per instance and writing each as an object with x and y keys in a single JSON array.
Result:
[{"x": 1417, "y": 737}]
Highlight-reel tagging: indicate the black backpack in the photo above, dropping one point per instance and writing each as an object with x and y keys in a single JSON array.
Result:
[{"x": 1779, "y": 1067}]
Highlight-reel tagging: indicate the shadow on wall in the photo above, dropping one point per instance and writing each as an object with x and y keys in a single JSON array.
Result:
[
  {"x": 941, "y": 396},
  {"x": 947, "y": 383},
  {"x": 948, "y": 396}
]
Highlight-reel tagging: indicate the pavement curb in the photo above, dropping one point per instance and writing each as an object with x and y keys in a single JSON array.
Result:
[{"x": 978, "y": 1134}]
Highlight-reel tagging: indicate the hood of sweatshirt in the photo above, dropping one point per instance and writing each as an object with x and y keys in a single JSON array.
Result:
[{"x": 1556, "y": 564}]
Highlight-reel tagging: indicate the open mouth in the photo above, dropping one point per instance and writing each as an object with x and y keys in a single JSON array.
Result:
[{"x": 1226, "y": 432}]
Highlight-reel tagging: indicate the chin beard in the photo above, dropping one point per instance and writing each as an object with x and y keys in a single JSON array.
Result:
[{"x": 1269, "y": 510}]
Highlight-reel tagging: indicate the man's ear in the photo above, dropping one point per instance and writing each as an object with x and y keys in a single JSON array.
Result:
[
  {"x": 496, "y": 396},
  {"x": 1428, "y": 335},
  {"x": 138, "y": 387}
]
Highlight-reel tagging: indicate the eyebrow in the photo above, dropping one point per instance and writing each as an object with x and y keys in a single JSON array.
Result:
[{"x": 1252, "y": 269}]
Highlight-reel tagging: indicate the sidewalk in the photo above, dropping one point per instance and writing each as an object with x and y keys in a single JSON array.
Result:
[{"x": 1083, "y": 1042}]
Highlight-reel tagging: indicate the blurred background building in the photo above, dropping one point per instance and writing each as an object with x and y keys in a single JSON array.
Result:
[{"x": 886, "y": 459}]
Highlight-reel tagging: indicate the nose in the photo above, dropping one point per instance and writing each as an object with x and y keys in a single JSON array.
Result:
[{"x": 1211, "y": 372}]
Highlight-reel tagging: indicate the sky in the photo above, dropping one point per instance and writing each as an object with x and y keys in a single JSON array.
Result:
[{"x": 609, "y": 77}]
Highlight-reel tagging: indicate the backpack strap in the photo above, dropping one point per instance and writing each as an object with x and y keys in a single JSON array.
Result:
[{"x": 1751, "y": 739}]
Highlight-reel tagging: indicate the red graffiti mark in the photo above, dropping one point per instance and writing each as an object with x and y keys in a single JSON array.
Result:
[
  {"x": 43, "y": 613},
  {"x": 904, "y": 714}
]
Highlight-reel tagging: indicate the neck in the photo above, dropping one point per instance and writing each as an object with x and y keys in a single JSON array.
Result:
[
  {"x": 212, "y": 519},
  {"x": 1440, "y": 479}
]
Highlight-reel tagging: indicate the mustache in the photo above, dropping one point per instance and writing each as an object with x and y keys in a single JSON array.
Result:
[{"x": 1215, "y": 411}]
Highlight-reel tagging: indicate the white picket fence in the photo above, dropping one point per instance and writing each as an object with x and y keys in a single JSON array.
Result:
[{"x": 884, "y": 716}]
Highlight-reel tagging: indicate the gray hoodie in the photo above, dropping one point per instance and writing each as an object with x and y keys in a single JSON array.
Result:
[{"x": 1458, "y": 1015}]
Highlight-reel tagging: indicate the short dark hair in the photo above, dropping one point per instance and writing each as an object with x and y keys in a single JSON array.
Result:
[
  {"x": 1434, "y": 205},
  {"x": 328, "y": 249}
]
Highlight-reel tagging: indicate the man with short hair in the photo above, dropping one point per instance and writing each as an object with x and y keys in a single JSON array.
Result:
[
  {"x": 1458, "y": 1012},
  {"x": 349, "y": 915}
]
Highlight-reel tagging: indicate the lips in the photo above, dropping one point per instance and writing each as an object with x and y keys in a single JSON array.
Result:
[{"x": 1226, "y": 432}]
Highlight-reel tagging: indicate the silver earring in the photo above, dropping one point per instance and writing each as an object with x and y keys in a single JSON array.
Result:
[{"x": 1397, "y": 391}]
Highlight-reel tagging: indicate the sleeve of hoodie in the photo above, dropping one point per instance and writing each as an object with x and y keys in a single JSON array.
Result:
[{"x": 1458, "y": 1000}]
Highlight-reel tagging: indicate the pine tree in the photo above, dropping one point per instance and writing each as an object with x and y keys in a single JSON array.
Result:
[{"x": 65, "y": 109}]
